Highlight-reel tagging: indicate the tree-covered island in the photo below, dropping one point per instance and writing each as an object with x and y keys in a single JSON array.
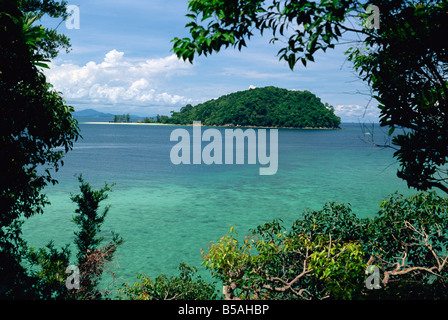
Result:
[{"x": 260, "y": 107}]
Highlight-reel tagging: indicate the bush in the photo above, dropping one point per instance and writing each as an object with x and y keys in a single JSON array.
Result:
[
  {"x": 409, "y": 243},
  {"x": 186, "y": 286},
  {"x": 326, "y": 254},
  {"x": 48, "y": 266}
]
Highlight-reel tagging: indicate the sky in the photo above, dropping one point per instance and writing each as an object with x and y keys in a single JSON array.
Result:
[{"x": 121, "y": 61}]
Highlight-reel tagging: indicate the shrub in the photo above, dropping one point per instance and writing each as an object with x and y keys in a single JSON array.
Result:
[
  {"x": 326, "y": 254},
  {"x": 187, "y": 286}
]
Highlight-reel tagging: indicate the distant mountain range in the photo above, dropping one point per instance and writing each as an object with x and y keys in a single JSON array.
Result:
[{"x": 91, "y": 115}]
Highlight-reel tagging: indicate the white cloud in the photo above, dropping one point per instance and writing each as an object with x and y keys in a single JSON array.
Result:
[
  {"x": 355, "y": 113},
  {"x": 120, "y": 81}
]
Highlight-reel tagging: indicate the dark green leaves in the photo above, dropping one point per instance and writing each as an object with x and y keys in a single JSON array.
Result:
[
  {"x": 186, "y": 286},
  {"x": 267, "y": 106},
  {"x": 36, "y": 127},
  {"x": 405, "y": 64},
  {"x": 307, "y": 26},
  {"x": 325, "y": 253},
  {"x": 404, "y": 61},
  {"x": 87, "y": 216},
  {"x": 229, "y": 24},
  {"x": 90, "y": 257}
]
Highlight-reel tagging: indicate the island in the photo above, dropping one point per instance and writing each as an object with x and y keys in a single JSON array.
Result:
[{"x": 268, "y": 107}]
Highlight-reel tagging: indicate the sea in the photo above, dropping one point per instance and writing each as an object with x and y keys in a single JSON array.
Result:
[{"x": 167, "y": 213}]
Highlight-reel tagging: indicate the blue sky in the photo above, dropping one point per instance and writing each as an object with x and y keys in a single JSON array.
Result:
[{"x": 122, "y": 61}]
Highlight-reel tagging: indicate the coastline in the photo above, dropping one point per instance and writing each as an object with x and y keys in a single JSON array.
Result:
[
  {"x": 211, "y": 126},
  {"x": 126, "y": 123}
]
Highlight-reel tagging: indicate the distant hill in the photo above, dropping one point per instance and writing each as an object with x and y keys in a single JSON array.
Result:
[
  {"x": 260, "y": 107},
  {"x": 91, "y": 115}
]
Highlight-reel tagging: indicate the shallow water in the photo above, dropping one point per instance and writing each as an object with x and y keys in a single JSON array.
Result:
[{"x": 167, "y": 213}]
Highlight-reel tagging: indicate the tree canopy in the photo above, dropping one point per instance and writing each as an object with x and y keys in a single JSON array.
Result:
[
  {"x": 326, "y": 253},
  {"x": 403, "y": 59},
  {"x": 261, "y": 107},
  {"x": 36, "y": 126}
]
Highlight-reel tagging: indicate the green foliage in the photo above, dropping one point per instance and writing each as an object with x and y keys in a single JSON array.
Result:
[
  {"x": 146, "y": 120},
  {"x": 340, "y": 266},
  {"x": 219, "y": 24},
  {"x": 49, "y": 45},
  {"x": 87, "y": 217},
  {"x": 426, "y": 212},
  {"x": 226, "y": 258},
  {"x": 91, "y": 258},
  {"x": 122, "y": 118},
  {"x": 411, "y": 245},
  {"x": 263, "y": 107},
  {"x": 186, "y": 286},
  {"x": 36, "y": 129},
  {"x": 334, "y": 218},
  {"x": 405, "y": 64},
  {"x": 326, "y": 253},
  {"x": 220, "y": 31},
  {"x": 404, "y": 61},
  {"x": 315, "y": 260},
  {"x": 48, "y": 270},
  {"x": 47, "y": 267}
]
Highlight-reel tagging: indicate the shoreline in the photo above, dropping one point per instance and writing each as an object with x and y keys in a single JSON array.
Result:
[
  {"x": 211, "y": 126},
  {"x": 124, "y": 123}
]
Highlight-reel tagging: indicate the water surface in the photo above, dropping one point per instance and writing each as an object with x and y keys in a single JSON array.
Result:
[{"x": 167, "y": 213}]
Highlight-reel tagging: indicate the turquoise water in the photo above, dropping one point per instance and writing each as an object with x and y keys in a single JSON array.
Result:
[{"x": 167, "y": 213}]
